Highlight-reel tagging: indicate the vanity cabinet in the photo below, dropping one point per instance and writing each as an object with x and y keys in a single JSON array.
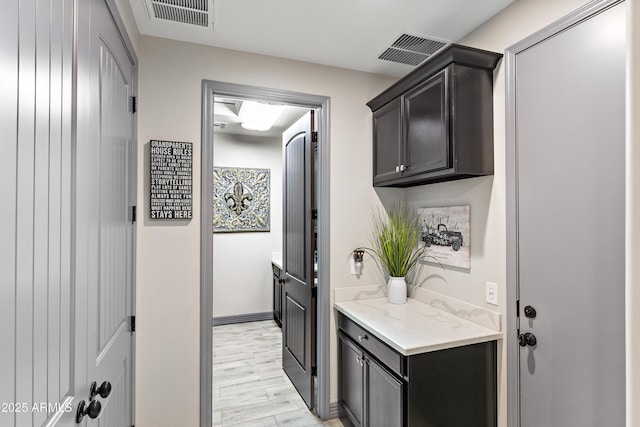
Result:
[
  {"x": 436, "y": 124},
  {"x": 370, "y": 394},
  {"x": 378, "y": 386},
  {"x": 277, "y": 294}
]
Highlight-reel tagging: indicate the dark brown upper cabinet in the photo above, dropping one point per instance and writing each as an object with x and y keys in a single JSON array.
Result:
[{"x": 436, "y": 124}]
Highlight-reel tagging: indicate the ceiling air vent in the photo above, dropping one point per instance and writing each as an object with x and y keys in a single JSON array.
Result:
[
  {"x": 190, "y": 12},
  {"x": 412, "y": 49}
]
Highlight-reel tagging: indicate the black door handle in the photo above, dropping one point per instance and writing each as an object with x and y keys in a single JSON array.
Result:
[
  {"x": 530, "y": 312},
  {"x": 92, "y": 410},
  {"x": 527, "y": 339},
  {"x": 104, "y": 390}
]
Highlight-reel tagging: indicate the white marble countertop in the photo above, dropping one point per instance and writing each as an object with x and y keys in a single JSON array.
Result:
[
  {"x": 276, "y": 259},
  {"x": 414, "y": 327}
]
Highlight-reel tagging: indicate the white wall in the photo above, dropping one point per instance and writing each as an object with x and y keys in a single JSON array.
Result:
[
  {"x": 242, "y": 275},
  {"x": 633, "y": 213},
  {"x": 168, "y": 282},
  {"x": 124, "y": 8}
]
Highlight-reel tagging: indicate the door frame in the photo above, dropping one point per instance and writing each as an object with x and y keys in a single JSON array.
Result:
[
  {"x": 211, "y": 88},
  {"x": 513, "y": 293}
]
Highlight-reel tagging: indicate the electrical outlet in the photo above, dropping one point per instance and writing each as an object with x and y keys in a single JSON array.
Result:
[{"x": 492, "y": 293}]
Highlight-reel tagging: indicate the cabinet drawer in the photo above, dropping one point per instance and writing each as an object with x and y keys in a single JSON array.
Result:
[
  {"x": 276, "y": 270},
  {"x": 378, "y": 349}
]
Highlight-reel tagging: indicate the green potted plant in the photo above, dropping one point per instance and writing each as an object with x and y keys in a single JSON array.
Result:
[{"x": 394, "y": 246}]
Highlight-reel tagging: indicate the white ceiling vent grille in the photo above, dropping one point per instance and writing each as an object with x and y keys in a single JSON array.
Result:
[
  {"x": 190, "y": 12},
  {"x": 412, "y": 49}
]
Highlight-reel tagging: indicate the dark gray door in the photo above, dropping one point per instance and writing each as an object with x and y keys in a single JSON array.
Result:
[
  {"x": 570, "y": 171},
  {"x": 299, "y": 303}
]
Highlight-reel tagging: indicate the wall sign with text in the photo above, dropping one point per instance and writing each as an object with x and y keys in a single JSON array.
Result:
[{"x": 171, "y": 180}]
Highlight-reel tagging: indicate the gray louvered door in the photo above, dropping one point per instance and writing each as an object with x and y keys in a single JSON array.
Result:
[
  {"x": 39, "y": 350},
  {"x": 107, "y": 161},
  {"x": 65, "y": 230},
  {"x": 299, "y": 307}
]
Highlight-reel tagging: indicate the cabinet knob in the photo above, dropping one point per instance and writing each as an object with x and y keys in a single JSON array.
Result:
[
  {"x": 363, "y": 337},
  {"x": 402, "y": 168}
]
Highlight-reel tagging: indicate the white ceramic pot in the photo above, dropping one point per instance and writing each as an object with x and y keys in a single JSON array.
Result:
[{"x": 397, "y": 290}]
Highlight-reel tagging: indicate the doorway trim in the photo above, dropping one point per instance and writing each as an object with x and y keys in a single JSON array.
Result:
[
  {"x": 211, "y": 88},
  {"x": 511, "y": 53}
]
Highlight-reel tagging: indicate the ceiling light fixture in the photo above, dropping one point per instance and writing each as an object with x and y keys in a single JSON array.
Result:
[{"x": 259, "y": 116}]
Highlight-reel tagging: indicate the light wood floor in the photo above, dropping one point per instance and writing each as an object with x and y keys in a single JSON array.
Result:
[{"x": 249, "y": 386}]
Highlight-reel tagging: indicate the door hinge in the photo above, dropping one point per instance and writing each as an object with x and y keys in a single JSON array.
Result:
[
  {"x": 314, "y": 214},
  {"x": 314, "y": 292},
  {"x": 134, "y": 213},
  {"x": 314, "y": 136},
  {"x": 134, "y": 104},
  {"x": 132, "y": 323},
  {"x": 517, "y": 308},
  {"x": 314, "y": 371}
]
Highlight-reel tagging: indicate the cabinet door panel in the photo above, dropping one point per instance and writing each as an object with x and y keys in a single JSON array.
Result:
[
  {"x": 387, "y": 136},
  {"x": 351, "y": 383},
  {"x": 427, "y": 126},
  {"x": 384, "y": 397}
]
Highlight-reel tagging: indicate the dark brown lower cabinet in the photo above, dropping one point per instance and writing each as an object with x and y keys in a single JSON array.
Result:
[
  {"x": 351, "y": 381},
  {"x": 277, "y": 294},
  {"x": 371, "y": 395},
  {"x": 451, "y": 387}
]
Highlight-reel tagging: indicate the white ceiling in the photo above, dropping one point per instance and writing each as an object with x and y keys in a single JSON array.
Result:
[
  {"x": 342, "y": 33},
  {"x": 229, "y": 123}
]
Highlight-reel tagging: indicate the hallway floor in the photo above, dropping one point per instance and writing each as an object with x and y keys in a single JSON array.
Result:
[{"x": 249, "y": 386}]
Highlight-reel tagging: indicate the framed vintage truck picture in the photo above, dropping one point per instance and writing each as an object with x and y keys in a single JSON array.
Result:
[{"x": 445, "y": 230}]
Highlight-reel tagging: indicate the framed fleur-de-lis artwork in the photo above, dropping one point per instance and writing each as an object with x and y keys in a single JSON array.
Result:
[{"x": 241, "y": 200}]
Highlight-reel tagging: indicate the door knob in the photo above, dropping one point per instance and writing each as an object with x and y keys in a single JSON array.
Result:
[
  {"x": 281, "y": 280},
  {"x": 530, "y": 312},
  {"x": 527, "y": 339},
  {"x": 104, "y": 390},
  {"x": 92, "y": 410}
]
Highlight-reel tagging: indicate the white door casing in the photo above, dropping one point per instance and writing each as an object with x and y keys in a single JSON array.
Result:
[{"x": 321, "y": 104}]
